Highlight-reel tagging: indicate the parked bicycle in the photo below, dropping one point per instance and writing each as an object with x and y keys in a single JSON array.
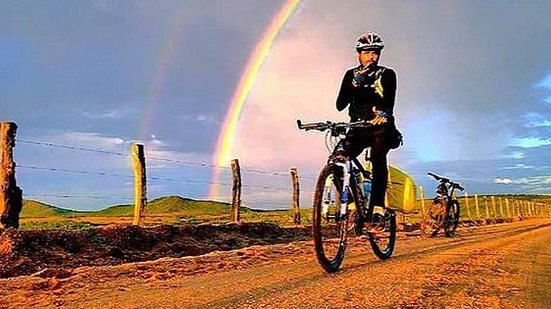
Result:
[
  {"x": 341, "y": 203},
  {"x": 444, "y": 210}
]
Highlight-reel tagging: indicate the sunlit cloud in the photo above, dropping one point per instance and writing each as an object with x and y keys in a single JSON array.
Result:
[{"x": 505, "y": 181}]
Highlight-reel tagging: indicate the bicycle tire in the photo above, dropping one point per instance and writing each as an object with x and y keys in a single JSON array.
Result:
[
  {"x": 432, "y": 220},
  {"x": 385, "y": 252},
  {"x": 329, "y": 254},
  {"x": 452, "y": 219}
]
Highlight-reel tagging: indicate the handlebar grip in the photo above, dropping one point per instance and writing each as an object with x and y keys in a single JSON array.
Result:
[
  {"x": 434, "y": 175},
  {"x": 299, "y": 124}
]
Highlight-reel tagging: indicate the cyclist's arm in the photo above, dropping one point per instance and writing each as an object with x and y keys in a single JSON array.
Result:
[
  {"x": 345, "y": 93},
  {"x": 388, "y": 81}
]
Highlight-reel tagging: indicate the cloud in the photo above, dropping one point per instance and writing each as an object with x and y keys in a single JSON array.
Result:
[
  {"x": 536, "y": 120},
  {"x": 505, "y": 181},
  {"x": 200, "y": 118},
  {"x": 109, "y": 114},
  {"x": 517, "y": 166},
  {"x": 545, "y": 82},
  {"x": 530, "y": 142},
  {"x": 162, "y": 156},
  {"x": 90, "y": 139}
]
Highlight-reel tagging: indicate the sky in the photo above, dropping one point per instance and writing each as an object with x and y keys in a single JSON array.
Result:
[{"x": 473, "y": 100}]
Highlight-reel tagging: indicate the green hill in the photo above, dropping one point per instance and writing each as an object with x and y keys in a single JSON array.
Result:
[
  {"x": 169, "y": 205},
  {"x": 165, "y": 205},
  {"x": 38, "y": 209}
]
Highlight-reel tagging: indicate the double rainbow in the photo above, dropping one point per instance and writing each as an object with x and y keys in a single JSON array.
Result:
[{"x": 222, "y": 156}]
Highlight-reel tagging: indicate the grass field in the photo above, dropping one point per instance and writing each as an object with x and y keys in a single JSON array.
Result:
[{"x": 175, "y": 209}]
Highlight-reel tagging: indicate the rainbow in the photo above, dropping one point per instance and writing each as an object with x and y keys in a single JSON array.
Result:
[
  {"x": 222, "y": 154},
  {"x": 168, "y": 52}
]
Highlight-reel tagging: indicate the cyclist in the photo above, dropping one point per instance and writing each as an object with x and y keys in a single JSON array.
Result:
[{"x": 369, "y": 90}]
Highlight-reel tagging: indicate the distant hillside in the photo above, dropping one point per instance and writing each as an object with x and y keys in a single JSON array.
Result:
[
  {"x": 169, "y": 205},
  {"x": 37, "y": 209},
  {"x": 163, "y": 205}
]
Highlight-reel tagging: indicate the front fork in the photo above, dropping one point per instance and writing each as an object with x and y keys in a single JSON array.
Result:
[{"x": 345, "y": 190}]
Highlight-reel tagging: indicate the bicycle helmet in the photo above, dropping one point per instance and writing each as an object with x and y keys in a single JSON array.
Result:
[{"x": 369, "y": 41}]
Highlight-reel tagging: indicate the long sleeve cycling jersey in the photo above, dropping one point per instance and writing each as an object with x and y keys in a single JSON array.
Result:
[{"x": 362, "y": 89}]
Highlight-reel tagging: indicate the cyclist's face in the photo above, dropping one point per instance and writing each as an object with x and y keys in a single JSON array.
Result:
[{"x": 368, "y": 57}]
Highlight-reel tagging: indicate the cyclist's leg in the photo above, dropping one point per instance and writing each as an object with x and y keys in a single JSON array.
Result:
[{"x": 379, "y": 151}]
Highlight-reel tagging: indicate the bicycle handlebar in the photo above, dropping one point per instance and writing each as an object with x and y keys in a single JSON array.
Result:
[
  {"x": 455, "y": 185},
  {"x": 333, "y": 126}
]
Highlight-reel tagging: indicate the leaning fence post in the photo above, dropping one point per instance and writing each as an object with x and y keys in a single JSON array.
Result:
[
  {"x": 236, "y": 190},
  {"x": 501, "y": 207},
  {"x": 11, "y": 196},
  {"x": 140, "y": 183},
  {"x": 296, "y": 195},
  {"x": 467, "y": 204}
]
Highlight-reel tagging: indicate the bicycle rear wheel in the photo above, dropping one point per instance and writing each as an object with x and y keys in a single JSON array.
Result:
[
  {"x": 330, "y": 227},
  {"x": 432, "y": 219},
  {"x": 383, "y": 242},
  {"x": 452, "y": 219}
]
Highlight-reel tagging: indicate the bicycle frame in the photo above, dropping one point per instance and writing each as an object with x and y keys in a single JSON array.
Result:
[
  {"x": 350, "y": 166},
  {"x": 342, "y": 175},
  {"x": 446, "y": 198}
]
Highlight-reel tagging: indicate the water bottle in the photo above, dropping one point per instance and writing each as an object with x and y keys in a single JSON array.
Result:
[
  {"x": 367, "y": 188},
  {"x": 344, "y": 195}
]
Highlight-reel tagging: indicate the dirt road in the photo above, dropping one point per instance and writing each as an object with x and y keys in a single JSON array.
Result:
[{"x": 502, "y": 266}]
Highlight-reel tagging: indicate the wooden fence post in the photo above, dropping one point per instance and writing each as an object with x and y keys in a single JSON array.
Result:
[
  {"x": 11, "y": 196},
  {"x": 296, "y": 195},
  {"x": 501, "y": 207},
  {"x": 236, "y": 190},
  {"x": 476, "y": 205},
  {"x": 140, "y": 183},
  {"x": 507, "y": 207},
  {"x": 521, "y": 208},
  {"x": 487, "y": 208},
  {"x": 422, "y": 200},
  {"x": 467, "y": 204},
  {"x": 494, "y": 208}
]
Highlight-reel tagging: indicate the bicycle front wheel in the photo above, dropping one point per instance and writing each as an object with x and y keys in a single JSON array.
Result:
[
  {"x": 452, "y": 219},
  {"x": 330, "y": 225},
  {"x": 432, "y": 220}
]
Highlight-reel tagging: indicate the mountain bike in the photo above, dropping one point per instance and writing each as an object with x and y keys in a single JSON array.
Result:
[
  {"x": 444, "y": 210},
  {"x": 341, "y": 202}
]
